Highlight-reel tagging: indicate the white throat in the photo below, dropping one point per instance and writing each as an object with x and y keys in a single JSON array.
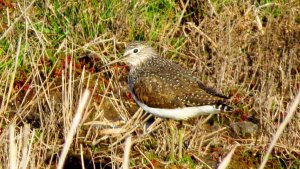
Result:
[{"x": 136, "y": 61}]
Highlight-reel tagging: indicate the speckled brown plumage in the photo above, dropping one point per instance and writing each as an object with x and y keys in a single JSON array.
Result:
[
  {"x": 165, "y": 89},
  {"x": 160, "y": 83}
]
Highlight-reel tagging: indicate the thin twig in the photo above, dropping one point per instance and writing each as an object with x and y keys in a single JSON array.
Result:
[
  {"x": 180, "y": 19},
  {"x": 74, "y": 125},
  {"x": 203, "y": 34},
  {"x": 16, "y": 20},
  {"x": 282, "y": 126},
  {"x": 12, "y": 148},
  {"x": 127, "y": 152},
  {"x": 227, "y": 159}
]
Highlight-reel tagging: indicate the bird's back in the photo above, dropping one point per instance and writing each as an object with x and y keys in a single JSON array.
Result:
[{"x": 160, "y": 83}]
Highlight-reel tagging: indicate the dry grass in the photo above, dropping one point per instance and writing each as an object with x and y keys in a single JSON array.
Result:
[{"x": 52, "y": 51}]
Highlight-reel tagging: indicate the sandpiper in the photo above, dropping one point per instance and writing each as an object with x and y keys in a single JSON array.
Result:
[{"x": 165, "y": 89}]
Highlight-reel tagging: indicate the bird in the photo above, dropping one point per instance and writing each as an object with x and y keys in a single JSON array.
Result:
[{"x": 166, "y": 89}]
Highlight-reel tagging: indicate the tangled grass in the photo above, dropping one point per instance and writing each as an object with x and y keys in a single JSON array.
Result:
[{"x": 52, "y": 51}]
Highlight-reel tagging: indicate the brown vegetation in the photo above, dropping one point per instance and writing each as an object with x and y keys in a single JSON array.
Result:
[{"x": 51, "y": 51}]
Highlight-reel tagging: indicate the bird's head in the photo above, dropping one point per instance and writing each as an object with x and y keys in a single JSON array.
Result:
[{"x": 135, "y": 54}]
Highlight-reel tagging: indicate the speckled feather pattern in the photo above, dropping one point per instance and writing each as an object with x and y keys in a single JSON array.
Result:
[
  {"x": 160, "y": 83},
  {"x": 165, "y": 89}
]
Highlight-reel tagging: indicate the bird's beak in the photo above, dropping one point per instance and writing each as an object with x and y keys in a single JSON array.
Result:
[
  {"x": 110, "y": 63},
  {"x": 126, "y": 54}
]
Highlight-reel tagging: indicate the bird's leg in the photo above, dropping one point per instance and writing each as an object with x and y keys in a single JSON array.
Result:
[
  {"x": 181, "y": 133},
  {"x": 172, "y": 146}
]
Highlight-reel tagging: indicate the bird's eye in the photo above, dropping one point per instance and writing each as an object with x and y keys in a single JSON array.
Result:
[{"x": 135, "y": 51}]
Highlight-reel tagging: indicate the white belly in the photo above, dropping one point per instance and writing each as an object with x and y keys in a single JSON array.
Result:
[{"x": 180, "y": 113}]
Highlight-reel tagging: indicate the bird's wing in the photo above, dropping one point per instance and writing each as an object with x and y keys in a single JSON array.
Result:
[
  {"x": 165, "y": 91},
  {"x": 211, "y": 90},
  {"x": 155, "y": 93}
]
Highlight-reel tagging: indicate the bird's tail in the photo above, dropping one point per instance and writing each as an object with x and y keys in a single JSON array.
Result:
[{"x": 224, "y": 107}]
